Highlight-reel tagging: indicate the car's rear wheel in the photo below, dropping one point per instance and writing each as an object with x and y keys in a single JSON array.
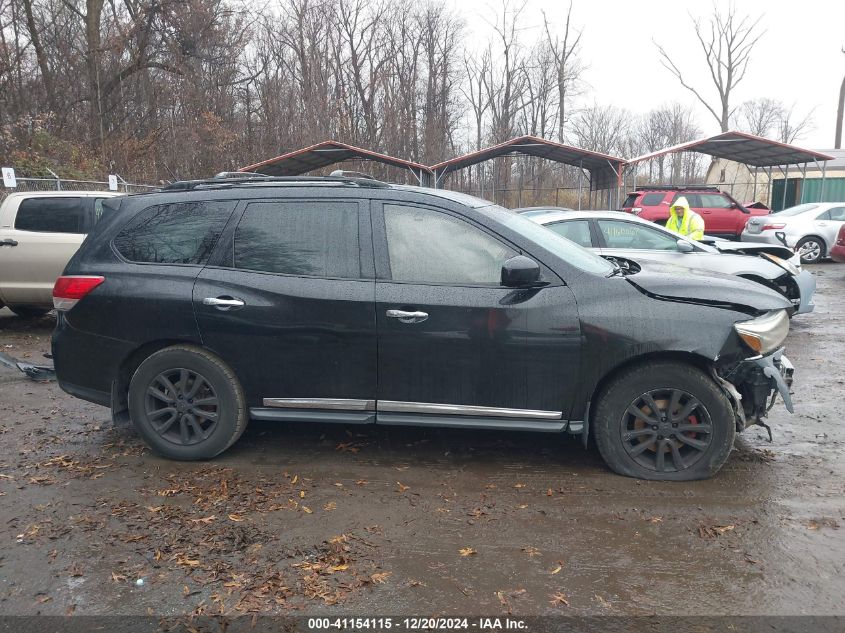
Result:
[
  {"x": 666, "y": 421},
  {"x": 187, "y": 404},
  {"x": 29, "y": 312},
  {"x": 811, "y": 249}
]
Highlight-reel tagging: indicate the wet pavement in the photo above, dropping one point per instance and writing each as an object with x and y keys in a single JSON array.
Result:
[{"x": 324, "y": 519}]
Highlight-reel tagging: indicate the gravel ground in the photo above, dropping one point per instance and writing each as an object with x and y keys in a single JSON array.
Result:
[{"x": 322, "y": 519}]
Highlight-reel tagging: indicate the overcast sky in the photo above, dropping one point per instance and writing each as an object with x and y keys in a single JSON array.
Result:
[{"x": 798, "y": 60}]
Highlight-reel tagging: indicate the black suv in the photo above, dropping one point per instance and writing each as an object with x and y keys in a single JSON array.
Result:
[{"x": 196, "y": 307}]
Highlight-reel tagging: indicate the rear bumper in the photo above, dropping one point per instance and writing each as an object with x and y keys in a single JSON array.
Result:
[
  {"x": 765, "y": 238},
  {"x": 86, "y": 364},
  {"x": 837, "y": 253}
]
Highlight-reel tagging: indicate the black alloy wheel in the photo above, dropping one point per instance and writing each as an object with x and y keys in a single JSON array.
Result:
[
  {"x": 666, "y": 430},
  {"x": 182, "y": 406}
]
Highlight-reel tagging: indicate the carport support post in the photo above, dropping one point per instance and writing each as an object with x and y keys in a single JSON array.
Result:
[
  {"x": 803, "y": 182},
  {"x": 785, "y": 173},
  {"x": 580, "y": 182},
  {"x": 754, "y": 190},
  {"x": 824, "y": 170}
]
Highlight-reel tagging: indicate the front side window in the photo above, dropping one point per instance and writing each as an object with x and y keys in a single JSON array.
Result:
[
  {"x": 51, "y": 215},
  {"x": 315, "y": 239},
  {"x": 619, "y": 234},
  {"x": 179, "y": 233},
  {"x": 430, "y": 247},
  {"x": 576, "y": 230}
]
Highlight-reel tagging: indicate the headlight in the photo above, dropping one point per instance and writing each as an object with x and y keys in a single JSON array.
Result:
[
  {"x": 766, "y": 333},
  {"x": 788, "y": 266}
]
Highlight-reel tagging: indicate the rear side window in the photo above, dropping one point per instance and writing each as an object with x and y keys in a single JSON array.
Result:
[
  {"x": 837, "y": 214},
  {"x": 51, "y": 215},
  {"x": 693, "y": 199},
  {"x": 317, "y": 239},
  {"x": 714, "y": 201},
  {"x": 652, "y": 199},
  {"x": 576, "y": 230},
  {"x": 179, "y": 233},
  {"x": 619, "y": 234}
]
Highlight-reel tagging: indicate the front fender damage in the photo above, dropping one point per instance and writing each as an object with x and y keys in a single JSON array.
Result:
[{"x": 753, "y": 385}]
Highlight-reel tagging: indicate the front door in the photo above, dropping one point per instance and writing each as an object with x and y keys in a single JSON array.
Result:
[
  {"x": 451, "y": 339},
  {"x": 290, "y": 305}
]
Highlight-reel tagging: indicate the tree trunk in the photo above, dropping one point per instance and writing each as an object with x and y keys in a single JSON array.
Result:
[
  {"x": 840, "y": 114},
  {"x": 92, "y": 63},
  {"x": 40, "y": 55}
]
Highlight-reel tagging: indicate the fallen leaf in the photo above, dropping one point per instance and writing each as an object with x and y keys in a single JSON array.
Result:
[
  {"x": 559, "y": 599},
  {"x": 294, "y": 480},
  {"x": 556, "y": 570},
  {"x": 379, "y": 577},
  {"x": 301, "y": 494},
  {"x": 531, "y": 551},
  {"x": 307, "y": 510},
  {"x": 402, "y": 487},
  {"x": 362, "y": 482},
  {"x": 331, "y": 505},
  {"x": 467, "y": 551},
  {"x": 204, "y": 520},
  {"x": 236, "y": 517}
]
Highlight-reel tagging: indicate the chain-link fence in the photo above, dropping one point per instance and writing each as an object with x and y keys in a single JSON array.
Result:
[{"x": 26, "y": 184}]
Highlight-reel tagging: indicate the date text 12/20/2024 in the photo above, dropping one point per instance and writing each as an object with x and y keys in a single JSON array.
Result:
[{"x": 416, "y": 624}]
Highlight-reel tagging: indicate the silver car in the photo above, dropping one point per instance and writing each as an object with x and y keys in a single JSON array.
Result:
[
  {"x": 810, "y": 229},
  {"x": 627, "y": 237}
]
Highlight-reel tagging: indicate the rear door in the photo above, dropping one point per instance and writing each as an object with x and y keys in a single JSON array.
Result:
[
  {"x": 44, "y": 235},
  {"x": 829, "y": 224},
  {"x": 288, "y": 303},
  {"x": 720, "y": 216},
  {"x": 451, "y": 339}
]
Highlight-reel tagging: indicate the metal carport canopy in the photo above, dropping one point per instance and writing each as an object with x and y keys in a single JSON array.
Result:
[
  {"x": 328, "y": 153},
  {"x": 742, "y": 148},
  {"x": 604, "y": 169}
]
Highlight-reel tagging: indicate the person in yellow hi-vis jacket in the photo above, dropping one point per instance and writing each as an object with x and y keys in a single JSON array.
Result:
[{"x": 684, "y": 221}]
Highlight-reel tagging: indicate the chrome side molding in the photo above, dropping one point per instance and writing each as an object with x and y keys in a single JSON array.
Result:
[
  {"x": 396, "y": 406},
  {"x": 343, "y": 404}
]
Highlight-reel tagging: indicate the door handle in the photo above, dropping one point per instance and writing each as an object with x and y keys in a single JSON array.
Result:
[
  {"x": 8, "y": 242},
  {"x": 224, "y": 303},
  {"x": 407, "y": 317}
]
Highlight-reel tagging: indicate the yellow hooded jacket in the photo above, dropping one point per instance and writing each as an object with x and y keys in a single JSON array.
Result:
[{"x": 689, "y": 224}]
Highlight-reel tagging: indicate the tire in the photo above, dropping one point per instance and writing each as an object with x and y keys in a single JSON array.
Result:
[
  {"x": 630, "y": 445},
  {"x": 815, "y": 249},
  {"x": 208, "y": 418},
  {"x": 29, "y": 312}
]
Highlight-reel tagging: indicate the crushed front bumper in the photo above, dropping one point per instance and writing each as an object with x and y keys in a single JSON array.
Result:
[
  {"x": 806, "y": 282},
  {"x": 753, "y": 386}
]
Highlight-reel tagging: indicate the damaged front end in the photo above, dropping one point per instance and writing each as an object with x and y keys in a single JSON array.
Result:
[{"x": 753, "y": 384}]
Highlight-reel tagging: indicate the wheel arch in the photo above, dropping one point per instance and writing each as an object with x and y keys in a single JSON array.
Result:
[
  {"x": 697, "y": 360},
  {"x": 821, "y": 240},
  {"x": 120, "y": 384}
]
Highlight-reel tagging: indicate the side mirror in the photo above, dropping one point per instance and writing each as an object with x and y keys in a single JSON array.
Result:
[
  {"x": 520, "y": 272},
  {"x": 685, "y": 247}
]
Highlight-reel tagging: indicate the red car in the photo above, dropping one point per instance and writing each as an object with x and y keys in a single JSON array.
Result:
[
  {"x": 723, "y": 216},
  {"x": 837, "y": 253}
]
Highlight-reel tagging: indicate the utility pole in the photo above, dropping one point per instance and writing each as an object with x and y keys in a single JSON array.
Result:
[{"x": 840, "y": 114}]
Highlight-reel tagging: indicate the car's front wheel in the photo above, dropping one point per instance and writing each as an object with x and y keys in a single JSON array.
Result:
[
  {"x": 811, "y": 249},
  {"x": 664, "y": 420},
  {"x": 186, "y": 403}
]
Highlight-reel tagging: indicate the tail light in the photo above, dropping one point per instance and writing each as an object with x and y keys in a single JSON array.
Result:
[
  {"x": 773, "y": 227},
  {"x": 68, "y": 290}
]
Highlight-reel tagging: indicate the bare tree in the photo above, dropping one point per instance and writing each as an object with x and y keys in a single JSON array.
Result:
[
  {"x": 603, "y": 128},
  {"x": 759, "y": 116},
  {"x": 792, "y": 127},
  {"x": 564, "y": 48},
  {"x": 726, "y": 42}
]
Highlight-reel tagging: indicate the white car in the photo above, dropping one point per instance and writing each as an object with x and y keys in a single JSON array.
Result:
[
  {"x": 623, "y": 236},
  {"x": 810, "y": 229},
  {"x": 39, "y": 233}
]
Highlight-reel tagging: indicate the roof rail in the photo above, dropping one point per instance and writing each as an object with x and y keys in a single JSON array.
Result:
[
  {"x": 677, "y": 187},
  {"x": 237, "y": 179}
]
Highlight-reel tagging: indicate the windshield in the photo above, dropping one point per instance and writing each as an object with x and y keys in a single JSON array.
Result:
[
  {"x": 567, "y": 250},
  {"x": 801, "y": 208}
]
